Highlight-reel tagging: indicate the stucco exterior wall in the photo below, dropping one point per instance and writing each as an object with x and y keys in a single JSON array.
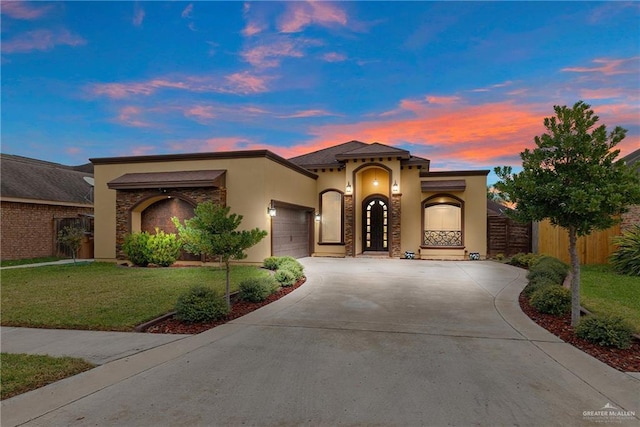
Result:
[
  {"x": 329, "y": 179},
  {"x": 251, "y": 184},
  {"x": 474, "y": 221}
]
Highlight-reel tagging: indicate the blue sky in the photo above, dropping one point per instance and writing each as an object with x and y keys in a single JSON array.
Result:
[{"x": 465, "y": 84}]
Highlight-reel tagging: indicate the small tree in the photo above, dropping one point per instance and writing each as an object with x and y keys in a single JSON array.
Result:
[
  {"x": 71, "y": 238},
  {"x": 573, "y": 179},
  {"x": 212, "y": 232}
]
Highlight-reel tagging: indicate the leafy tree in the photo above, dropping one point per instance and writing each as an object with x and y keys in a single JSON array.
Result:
[
  {"x": 71, "y": 237},
  {"x": 212, "y": 232},
  {"x": 573, "y": 179}
]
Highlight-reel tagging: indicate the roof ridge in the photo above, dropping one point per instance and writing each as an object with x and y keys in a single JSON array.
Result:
[
  {"x": 330, "y": 148},
  {"x": 32, "y": 161}
]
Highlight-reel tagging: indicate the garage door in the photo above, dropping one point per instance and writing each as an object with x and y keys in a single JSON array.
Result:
[{"x": 290, "y": 232}]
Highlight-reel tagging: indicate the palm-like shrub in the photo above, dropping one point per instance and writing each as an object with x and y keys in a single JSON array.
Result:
[{"x": 626, "y": 259}]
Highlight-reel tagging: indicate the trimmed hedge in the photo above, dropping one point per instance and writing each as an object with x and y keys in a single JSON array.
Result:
[
  {"x": 285, "y": 277},
  {"x": 609, "y": 331},
  {"x": 257, "y": 289},
  {"x": 201, "y": 304},
  {"x": 552, "y": 299}
]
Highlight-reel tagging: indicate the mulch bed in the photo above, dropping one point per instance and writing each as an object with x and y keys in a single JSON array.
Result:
[
  {"x": 238, "y": 309},
  {"x": 623, "y": 360}
]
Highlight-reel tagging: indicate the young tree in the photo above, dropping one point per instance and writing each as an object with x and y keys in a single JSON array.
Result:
[
  {"x": 212, "y": 232},
  {"x": 573, "y": 179},
  {"x": 71, "y": 237}
]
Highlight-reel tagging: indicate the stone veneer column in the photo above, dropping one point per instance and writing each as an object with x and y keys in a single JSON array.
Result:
[
  {"x": 348, "y": 225},
  {"x": 396, "y": 245}
]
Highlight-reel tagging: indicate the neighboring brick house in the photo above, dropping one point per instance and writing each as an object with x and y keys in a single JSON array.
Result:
[
  {"x": 34, "y": 196},
  {"x": 633, "y": 216}
]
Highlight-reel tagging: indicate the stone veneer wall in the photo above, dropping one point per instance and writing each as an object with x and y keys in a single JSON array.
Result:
[
  {"x": 348, "y": 225},
  {"x": 126, "y": 200},
  {"x": 396, "y": 212}
]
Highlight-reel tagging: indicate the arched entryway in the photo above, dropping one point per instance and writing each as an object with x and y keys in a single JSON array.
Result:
[{"x": 375, "y": 223}]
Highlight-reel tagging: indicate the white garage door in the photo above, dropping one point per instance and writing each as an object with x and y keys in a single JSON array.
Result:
[{"x": 290, "y": 232}]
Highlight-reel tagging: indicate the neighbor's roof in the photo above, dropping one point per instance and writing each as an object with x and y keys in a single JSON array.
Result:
[
  {"x": 633, "y": 159},
  {"x": 336, "y": 155},
  {"x": 37, "y": 180}
]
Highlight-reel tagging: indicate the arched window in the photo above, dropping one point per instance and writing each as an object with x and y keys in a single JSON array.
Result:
[
  {"x": 442, "y": 218},
  {"x": 331, "y": 208}
]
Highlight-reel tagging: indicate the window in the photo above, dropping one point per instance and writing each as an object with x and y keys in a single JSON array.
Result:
[
  {"x": 442, "y": 219},
  {"x": 331, "y": 207}
]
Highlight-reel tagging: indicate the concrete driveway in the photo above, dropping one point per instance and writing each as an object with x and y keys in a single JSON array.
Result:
[{"x": 363, "y": 342}]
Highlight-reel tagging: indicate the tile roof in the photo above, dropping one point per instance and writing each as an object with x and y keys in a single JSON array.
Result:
[
  {"x": 26, "y": 178},
  {"x": 334, "y": 156}
]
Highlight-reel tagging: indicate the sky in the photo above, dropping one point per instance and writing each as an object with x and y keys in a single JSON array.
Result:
[{"x": 464, "y": 84}]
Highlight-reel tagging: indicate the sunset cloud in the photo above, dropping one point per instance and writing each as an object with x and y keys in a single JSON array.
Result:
[
  {"x": 270, "y": 54},
  {"x": 609, "y": 67},
  {"x": 41, "y": 40},
  {"x": 237, "y": 83},
  {"x": 129, "y": 116},
  {"x": 307, "y": 113},
  {"x": 138, "y": 15},
  {"x": 187, "y": 11},
  {"x": 23, "y": 10},
  {"x": 334, "y": 57},
  {"x": 302, "y": 14}
]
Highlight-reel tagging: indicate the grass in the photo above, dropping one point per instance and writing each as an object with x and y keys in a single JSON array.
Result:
[
  {"x": 11, "y": 263},
  {"x": 102, "y": 296},
  {"x": 20, "y": 373},
  {"x": 604, "y": 291}
]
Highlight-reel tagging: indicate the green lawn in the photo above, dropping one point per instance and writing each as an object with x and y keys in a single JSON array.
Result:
[
  {"x": 604, "y": 291},
  {"x": 20, "y": 373},
  {"x": 102, "y": 296}
]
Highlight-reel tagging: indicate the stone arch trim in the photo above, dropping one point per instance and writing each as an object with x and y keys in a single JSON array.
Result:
[{"x": 130, "y": 203}]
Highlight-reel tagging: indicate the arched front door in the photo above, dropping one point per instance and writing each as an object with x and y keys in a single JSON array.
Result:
[{"x": 375, "y": 223}]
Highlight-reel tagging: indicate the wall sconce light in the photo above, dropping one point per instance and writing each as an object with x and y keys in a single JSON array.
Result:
[
  {"x": 395, "y": 188},
  {"x": 271, "y": 210},
  {"x": 349, "y": 189},
  {"x": 318, "y": 216},
  {"x": 375, "y": 179}
]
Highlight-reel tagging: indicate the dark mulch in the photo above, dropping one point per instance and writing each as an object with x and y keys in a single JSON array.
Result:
[
  {"x": 238, "y": 309},
  {"x": 623, "y": 360}
]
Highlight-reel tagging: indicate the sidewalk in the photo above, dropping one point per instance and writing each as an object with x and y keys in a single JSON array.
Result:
[{"x": 41, "y": 264}]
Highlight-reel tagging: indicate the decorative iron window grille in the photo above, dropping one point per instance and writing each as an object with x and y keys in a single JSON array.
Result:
[{"x": 442, "y": 238}]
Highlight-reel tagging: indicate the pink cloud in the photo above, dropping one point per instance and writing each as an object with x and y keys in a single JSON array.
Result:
[
  {"x": 602, "y": 93},
  {"x": 129, "y": 117},
  {"x": 609, "y": 67},
  {"x": 246, "y": 83},
  {"x": 443, "y": 100},
  {"x": 334, "y": 57},
  {"x": 251, "y": 29},
  {"x": 138, "y": 15},
  {"x": 200, "y": 112},
  {"x": 238, "y": 83},
  {"x": 307, "y": 113},
  {"x": 302, "y": 14},
  {"x": 270, "y": 54},
  {"x": 41, "y": 40},
  {"x": 23, "y": 10},
  {"x": 187, "y": 11},
  {"x": 140, "y": 150}
]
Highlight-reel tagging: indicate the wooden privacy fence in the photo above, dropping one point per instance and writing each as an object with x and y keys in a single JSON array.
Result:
[
  {"x": 592, "y": 249},
  {"x": 507, "y": 237}
]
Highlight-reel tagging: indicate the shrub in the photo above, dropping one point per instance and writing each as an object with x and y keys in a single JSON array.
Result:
[
  {"x": 293, "y": 266},
  {"x": 285, "y": 277},
  {"x": 523, "y": 260},
  {"x": 287, "y": 259},
  {"x": 537, "y": 283},
  {"x": 201, "y": 304},
  {"x": 164, "y": 248},
  {"x": 136, "y": 248},
  {"x": 551, "y": 266},
  {"x": 626, "y": 259},
  {"x": 554, "y": 300},
  {"x": 610, "y": 331},
  {"x": 271, "y": 263},
  {"x": 257, "y": 289},
  {"x": 500, "y": 257}
]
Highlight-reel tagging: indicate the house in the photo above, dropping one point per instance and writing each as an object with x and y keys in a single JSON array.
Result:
[
  {"x": 348, "y": 200},
  {"x": 632, "y": 217},
  {"x": 36, "y": 198}
]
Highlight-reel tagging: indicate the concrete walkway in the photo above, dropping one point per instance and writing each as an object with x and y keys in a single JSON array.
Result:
[
  {"x": 363, "y": 342},
  {"x": 42, "y": 264}
]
